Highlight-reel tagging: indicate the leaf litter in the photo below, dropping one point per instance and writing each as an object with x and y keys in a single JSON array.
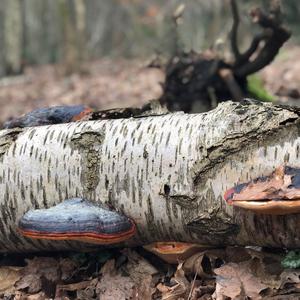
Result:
[{"x": 220, "y": 274}]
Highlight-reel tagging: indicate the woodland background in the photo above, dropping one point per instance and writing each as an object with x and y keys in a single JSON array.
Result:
[
  {"x": 57, "y": 52},
  {"x": 51, "y": 31},
  {"x": 96, "y": 52}
]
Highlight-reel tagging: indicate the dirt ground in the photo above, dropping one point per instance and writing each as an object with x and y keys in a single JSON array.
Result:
[
  {"x": 102, "y": 84},
  {"x": 109, "y": 83},
  {"x": 282, "y": 77}
]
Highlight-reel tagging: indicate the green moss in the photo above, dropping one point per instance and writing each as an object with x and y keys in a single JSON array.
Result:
[
  {"x": 257, "y": 90},
  {"x": 292, "y": 260}
]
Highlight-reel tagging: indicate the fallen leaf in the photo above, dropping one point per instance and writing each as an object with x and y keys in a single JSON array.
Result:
[
  {"x": 8, "y": 277},
  {"x": 39, "y": 296},
  {"x": 19, "y": 296},
  {"x": 201, "y": 291},
  {"x": 142, "y": 273},
  {"x": 144, "y": 290},
  {"x": 289, "y": 276},
  {"x": 67, "y": 268},
  {"x": 202, "y": 263},
  {"x": 40, "y": 271},
  {"x": 180, "y": 286},
  {"x": 237, "y": 254},
  {"x": 137, "y": 266},
  {"x": 289, "y": 282},
  {"x": 236, "y": 280},
  {"x": 31, "y": 282},
  {"x": 134, "y": 280},
  {"x": 112, "y": 284},
  {"x": 43, "y": 266},
  {"x": 86, "y": 294}
]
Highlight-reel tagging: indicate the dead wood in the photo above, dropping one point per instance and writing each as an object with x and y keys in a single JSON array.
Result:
[{"x": 194, "y": 81}]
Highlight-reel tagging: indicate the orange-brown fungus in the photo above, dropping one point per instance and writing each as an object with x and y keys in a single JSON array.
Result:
[
  {"x": 277, "y": 194},
  {"x": 173, "y": 252}
]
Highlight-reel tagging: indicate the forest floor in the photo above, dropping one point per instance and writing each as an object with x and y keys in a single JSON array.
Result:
[
  {"x": 102, "y": 84},
  {"x": 108, "y": 83},
  {"x": 231, "y": 273}
]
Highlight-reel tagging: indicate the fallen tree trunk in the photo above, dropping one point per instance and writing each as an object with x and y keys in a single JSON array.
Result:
[{"x": 168, "y": 173}]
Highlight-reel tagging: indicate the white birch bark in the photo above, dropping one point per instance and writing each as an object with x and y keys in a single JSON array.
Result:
[{"x": 168, "y": 173}]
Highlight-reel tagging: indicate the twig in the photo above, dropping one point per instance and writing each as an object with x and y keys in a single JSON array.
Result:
[
  {"x": 253, "y": 47},
  {"x": 192, "y": 287},
  {"x": 275, "y": 36},
  {"x": 212, "y": 96},
  {"x": 234, "y": 30},
  {"x": 234, "y": 88}
]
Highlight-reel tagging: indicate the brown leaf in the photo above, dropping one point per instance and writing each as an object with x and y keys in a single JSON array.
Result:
[
  {"x": 43, "y": 266},
  {"x": 265, "y": 264},
  {"x": 201, "y": 291},
  {"x": 289, "y": 276},
  {"x": 112, "y": 284},
  {"x": 39, "y": 296},
  {"x": 86, "y": 294},
  {"x": 202, "y": 263},
  {"x": 236, "y": 280},
  {"x": 67, "y": 268},
  {"x": 142, "y": 273},
  {"x": 144, "y": 290},
  {"x": 8, "y": 277},
  {"x": 32, "y": 282},
  {"x": 19, "y": 296},
  {"x": 180, "y": 289},
  {"x": 237, "y": 254},
  {"x": 289, "y": 282},
  {"x": 38, "y": 270},
  {"x": 137, "y": 266}
]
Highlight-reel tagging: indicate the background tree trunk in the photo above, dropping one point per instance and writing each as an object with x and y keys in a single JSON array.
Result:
[
  {"x": 12, "y": 24},
  {"x": 167, "y": 172},
  {"x": 2, "y": 51}
]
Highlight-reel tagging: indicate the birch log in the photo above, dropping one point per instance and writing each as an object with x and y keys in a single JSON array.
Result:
[{"x": 168, "y": 173}]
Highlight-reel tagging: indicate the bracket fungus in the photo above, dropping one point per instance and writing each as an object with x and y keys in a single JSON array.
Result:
[
  {"x": 276, "y": 194},
  {"x": 77, "y": 219}
]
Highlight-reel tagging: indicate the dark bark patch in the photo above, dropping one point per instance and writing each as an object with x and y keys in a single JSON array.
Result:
[
  {"x": 167, "y": 190},
  {"x": 8, "y": 139},
  {"x": 214, "y": 226},
  {"x": 87, "y": 143}
]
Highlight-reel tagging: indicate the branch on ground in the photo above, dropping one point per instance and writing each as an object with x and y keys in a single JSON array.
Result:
[{"x": 274, "y": 35}]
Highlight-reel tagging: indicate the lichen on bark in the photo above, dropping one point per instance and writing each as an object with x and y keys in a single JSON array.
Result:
[{"x": 88, "y": 143}]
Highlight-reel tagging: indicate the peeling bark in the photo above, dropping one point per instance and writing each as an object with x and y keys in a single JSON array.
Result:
[{"x": 168, "y": 173}]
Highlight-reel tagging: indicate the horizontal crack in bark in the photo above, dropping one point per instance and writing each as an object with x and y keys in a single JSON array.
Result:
[
  {"x": 213, "y": 226},
  {"x": 231, "y": 144}
]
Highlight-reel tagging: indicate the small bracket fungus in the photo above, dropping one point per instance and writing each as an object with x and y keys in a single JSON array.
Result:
[
  {"x": 173, "y": 252},
  {"x": 276, "y": 194}
]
